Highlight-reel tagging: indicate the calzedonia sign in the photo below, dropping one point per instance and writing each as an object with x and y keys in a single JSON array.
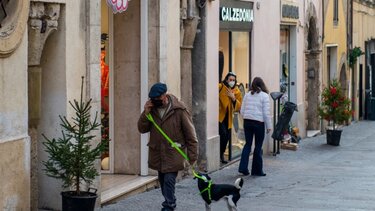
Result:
[{"x": 236, "y": 15}]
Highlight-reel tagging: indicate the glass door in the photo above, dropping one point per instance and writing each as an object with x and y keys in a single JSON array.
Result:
[
  {"x": 104, "y": 86},
  {"x": 234, "y": 56}
]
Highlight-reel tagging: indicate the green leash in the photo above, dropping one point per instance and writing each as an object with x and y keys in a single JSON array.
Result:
[
  {"x": 174, "y": 145},
  {"x": 183, "y": 154}
]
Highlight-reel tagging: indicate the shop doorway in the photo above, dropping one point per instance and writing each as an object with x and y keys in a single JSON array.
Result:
[
  {"x": 234, "y": 56},
  {"x": 331, "y": 63},
  {"x": 288, "y": 63}
]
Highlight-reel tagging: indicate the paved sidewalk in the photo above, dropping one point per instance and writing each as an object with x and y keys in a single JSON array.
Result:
[{"x": 315, "y": 177}]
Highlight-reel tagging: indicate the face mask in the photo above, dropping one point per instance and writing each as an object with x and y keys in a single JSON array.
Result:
[
  {"x": 157, "y": 103},
  {"x": 231, "y": 84}
]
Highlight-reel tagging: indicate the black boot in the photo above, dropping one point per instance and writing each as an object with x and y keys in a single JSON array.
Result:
[{"x": 222, "y": 159}]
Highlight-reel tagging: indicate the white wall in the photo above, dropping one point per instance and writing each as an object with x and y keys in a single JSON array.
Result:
[
  {"x": 14, "y": 139},
  {"x": 173, "y": 46},
  {"x": 63, "y": 63},
  {"x": 212, "y": 65},
  {"x": 265, "y": 43},
  {"x": 265, "y": 48},
  {"x": 13, "y": 94}
]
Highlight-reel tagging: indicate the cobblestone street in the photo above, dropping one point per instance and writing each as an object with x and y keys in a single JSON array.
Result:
[{"x": 315, "y": 177}]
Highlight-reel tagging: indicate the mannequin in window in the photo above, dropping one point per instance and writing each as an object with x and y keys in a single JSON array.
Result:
[{"x": 104, "y": 74}]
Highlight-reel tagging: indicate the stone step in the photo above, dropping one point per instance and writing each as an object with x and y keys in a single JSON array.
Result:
[
  {"x": 312, "y": 133},
  {"x": 116, "y": 187}
]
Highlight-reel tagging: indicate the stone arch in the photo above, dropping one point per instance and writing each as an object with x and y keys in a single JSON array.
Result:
[
  {"x": 343, "y": 80},
  {"x": 42, "y": 21},
  {"x": 312, "y": 68},
  {"x": 312, "y": 35}
]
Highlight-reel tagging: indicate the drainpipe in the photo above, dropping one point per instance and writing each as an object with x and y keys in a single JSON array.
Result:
[
  {"x": 322, "y": 22},
  {"x": 144, "y": 81}
]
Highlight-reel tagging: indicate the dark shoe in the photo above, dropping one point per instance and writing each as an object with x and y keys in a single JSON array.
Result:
[
  {"x": 259, "y": 175},
  {"x": 166, "y": 209},
  {"x": 223, "y": 161},
  {"x": 244, "y": 172}
]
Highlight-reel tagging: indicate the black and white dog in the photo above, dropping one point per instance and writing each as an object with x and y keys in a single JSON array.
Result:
[{"x": 210, "y": 191}]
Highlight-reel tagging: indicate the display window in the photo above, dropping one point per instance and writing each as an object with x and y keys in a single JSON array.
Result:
[
  {"x": 284, "y": 62},
  {"x": 234, "y": 56},
  {"x": 104, "y": 87}
]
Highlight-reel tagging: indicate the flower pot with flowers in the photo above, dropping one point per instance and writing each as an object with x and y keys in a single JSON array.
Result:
[{"x": 334, "y": 108}]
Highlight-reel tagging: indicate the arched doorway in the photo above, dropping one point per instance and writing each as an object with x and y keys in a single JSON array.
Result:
[{"x": 312, "y": 69}]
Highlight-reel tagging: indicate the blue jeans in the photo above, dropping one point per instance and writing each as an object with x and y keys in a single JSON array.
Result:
[
  {"x": 167, "y": 184},
  {"x": 252, "y": 128}
]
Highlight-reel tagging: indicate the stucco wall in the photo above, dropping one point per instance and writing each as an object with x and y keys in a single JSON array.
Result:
[
  {"x": 363, "y": 30},
  {"x": 63, "y": 63},
  {"x": 172, "y": 40},
  {"x": 212, "y": 46},
  {"x": 265, "y": 48},
  {"x": 334, "y": 34},
  {"x": 363, "y": 26},
  {"x": 212, "y": 43},
  {"x": 299, "y": 116},
  {"x": 126, "y": 54},
  {"x": 14, "y": 141}
]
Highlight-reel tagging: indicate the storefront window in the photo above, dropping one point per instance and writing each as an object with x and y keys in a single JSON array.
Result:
[
  {"x": 235, "y": 48},
  {"x": 104, "y": 68},
  {"x": 284, "y": 61}
]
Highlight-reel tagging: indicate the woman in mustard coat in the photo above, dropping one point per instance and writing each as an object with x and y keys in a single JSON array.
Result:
[{"x": 230, "y": 100}]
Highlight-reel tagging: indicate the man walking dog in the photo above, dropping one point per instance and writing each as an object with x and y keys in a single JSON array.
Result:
[{"x": 173, "y": 118}]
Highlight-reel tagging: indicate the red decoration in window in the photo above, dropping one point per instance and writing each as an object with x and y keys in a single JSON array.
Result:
[{"x": 104, "y": 82}]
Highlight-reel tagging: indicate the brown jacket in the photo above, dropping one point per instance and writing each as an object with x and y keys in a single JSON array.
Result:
[{"x": 178, "y": 125}]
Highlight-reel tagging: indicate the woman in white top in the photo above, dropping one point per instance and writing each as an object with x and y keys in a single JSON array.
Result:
[{"x": 255, "y": 111}]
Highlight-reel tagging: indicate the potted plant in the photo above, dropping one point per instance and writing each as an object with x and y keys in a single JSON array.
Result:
[
  {"x": 353, "y": 55},
  {"x": 335, "y": 108},
  {"x": 72, "y": 157}
]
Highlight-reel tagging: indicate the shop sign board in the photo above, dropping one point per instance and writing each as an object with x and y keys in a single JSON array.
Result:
[
  {"x": 236, "y": 15},
  {"x": 118, "y": 6},
  {"x": 289, "y": 12}
]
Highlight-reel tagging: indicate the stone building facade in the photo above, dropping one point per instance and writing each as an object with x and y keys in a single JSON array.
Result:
[
  {"x": 313, "y": 26},
  {"x": 14, "y": 138},
  {"x": 363, "y": 36}
]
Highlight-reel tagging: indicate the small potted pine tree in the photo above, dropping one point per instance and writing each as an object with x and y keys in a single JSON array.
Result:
[
  {"x": 71, "y": 158},
  {"x": 334, "y": 108}
]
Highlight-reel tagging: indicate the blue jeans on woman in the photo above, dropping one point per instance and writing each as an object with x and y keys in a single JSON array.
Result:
[{"x": 252, "y": 128}]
